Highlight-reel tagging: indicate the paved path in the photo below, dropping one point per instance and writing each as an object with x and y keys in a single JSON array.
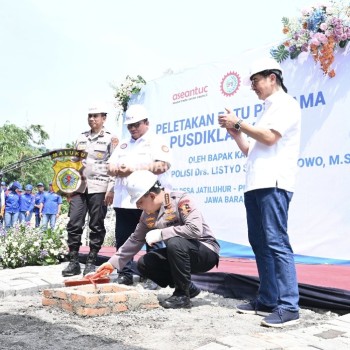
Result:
[{"x": 332, "y": 335}]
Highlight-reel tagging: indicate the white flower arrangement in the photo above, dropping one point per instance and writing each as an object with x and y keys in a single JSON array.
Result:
[
  {"x": 24, "y": 245},
  {"x": 129, "y": 87}
]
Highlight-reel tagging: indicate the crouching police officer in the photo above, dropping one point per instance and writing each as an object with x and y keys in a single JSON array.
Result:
[{"x": 171, "y": 217}]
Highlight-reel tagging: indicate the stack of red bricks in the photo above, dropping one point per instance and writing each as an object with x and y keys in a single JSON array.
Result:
[{"x": 100, "y": 299}]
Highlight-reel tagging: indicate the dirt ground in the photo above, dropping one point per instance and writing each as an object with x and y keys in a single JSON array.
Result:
[{"x": 27, "y": 325}]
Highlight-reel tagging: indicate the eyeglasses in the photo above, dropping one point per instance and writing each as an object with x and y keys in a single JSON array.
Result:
[
  {"x": 254, "y": 81},
  {"x": 134, "y": 125}
]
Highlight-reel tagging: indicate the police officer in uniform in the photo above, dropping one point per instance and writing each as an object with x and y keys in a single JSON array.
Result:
[
  {"x": 92, "y": 197},
  {"x": 171, "y": 217}
]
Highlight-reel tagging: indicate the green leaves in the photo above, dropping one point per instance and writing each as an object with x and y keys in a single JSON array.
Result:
[
  {"x": 343, "y": 43},
  {"x": 16, "y": 145},
  {"x": 280, "y": 53},
  {"x": 285, "y": 21}
]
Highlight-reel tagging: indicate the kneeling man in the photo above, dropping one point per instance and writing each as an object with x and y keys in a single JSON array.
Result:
[{"x": 171, "y": 217}]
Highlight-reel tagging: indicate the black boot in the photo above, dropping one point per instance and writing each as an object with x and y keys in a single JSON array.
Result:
[
  {"x": 179, "y": 300},
  {"x": 193, "y": 290},
  {"x": 73, "y": 267},
  {"x": 90, "y": 265}
]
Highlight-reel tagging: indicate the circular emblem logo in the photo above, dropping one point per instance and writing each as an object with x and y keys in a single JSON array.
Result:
[
  {"x": 68, "y": 180},
  {"x": 165, "y": 148},
  {"x": 230, "y": 84}
]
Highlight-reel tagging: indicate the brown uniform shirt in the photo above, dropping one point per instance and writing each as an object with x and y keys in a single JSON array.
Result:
[
  {"x": 178, "y": 216},
  {"x": 98, "y": 148}
]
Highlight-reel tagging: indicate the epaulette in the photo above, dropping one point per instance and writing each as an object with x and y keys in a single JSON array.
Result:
[{"x": 86, "y": 133}]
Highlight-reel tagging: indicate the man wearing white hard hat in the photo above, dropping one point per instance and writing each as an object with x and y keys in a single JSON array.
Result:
[
  {"x": 272, "y": 152},
  {"x": 143, "y": 150},
  {"x": 94, "y": 195},
  {"x": 174, "y": 218}
]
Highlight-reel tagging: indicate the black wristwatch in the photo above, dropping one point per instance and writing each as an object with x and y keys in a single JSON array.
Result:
[{"x": 237, "y": 126}]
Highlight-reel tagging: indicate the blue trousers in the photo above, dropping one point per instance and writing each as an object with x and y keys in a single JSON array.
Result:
[
  {"x": 48, "y": 218},
  {"x": 10, "y": 219},
  {"x": 267, "y": 216},
  {"x": 22, "y": 216}
]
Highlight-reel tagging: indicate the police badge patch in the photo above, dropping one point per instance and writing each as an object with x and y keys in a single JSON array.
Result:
[
  {"x": 184, "y": 207},
  {"x": 68, "y": 172}
]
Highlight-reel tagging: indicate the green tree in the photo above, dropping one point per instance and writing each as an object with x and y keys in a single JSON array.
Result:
[{"x": 18, "y": 146}]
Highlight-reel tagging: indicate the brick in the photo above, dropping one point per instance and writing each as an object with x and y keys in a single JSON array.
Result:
[
  {"x": 49, "y": 302},
  {"x": 91, "y": 299},
  {"x": 67, "y": 306},
  {"x": 48, "y": 293},
  {"x": 89, "y": 312},
  {"x": 113, "y": 297},
  {"x": 119, "y": 308},
  {"x": 59, "y": 293},
  {"x": 76, "y": 298},
  {"x": 113, "y": 288},
  {"x": 104, "y": 299}
]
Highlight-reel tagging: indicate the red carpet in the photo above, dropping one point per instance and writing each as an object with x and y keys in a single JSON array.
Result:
[{"x": 329, "y": 276}]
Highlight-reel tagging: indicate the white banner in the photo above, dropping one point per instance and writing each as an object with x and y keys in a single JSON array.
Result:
[{"x": 184, "y": 108}]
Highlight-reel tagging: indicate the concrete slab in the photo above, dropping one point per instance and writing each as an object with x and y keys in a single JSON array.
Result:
[{"x": 213, "y": 346}]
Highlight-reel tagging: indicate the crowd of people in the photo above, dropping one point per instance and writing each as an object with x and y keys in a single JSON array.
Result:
[
  {"x": 18, "y": 205},
  {"x": 132, "y": 175}
]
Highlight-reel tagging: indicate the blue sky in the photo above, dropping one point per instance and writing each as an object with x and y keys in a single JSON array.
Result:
[{"x": 59, "y": 57}]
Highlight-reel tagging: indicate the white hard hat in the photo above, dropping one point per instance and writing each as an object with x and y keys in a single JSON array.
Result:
[
  {"x": 139, "y": 183},
  {"x": 97, "y": 109},
  {"x": 266, "y": 63},
  {"x": 135, "y": 113}
]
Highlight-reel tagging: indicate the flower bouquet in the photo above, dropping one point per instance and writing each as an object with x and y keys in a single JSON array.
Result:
[
  {"x": 320, "y": 30},
  {"x": 129, "y": 87}
]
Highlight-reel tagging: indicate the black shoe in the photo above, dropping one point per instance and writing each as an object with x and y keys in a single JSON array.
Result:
[
  {"x": 177, "y": 302},
  {"x": 90, "y": 263},
  {"x": 89, "y": 268},
  {"x": 194, "y": 290},
  {"x": 73, "y": 267},
  {"x": 124, "y": 279},
  {"x": 150, "y": 285}
]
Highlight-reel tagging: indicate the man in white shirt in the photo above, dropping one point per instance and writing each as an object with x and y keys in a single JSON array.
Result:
[
  {"x": 272, "y": 151},
  {"x": 144, "y": 150}
]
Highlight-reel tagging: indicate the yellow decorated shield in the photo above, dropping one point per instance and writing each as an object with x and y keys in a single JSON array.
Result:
[
  {"x": 67, "y": 177},
  {"x": 68, "y": 170}
]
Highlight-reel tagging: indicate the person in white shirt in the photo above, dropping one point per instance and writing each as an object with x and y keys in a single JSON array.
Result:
[
  {"x": 272, "y": 151},
  {"x": 144, "y": 150}
]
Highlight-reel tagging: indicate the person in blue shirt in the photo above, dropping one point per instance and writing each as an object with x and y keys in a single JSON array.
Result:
[
  {"x": 26, "y": 204},
  {"x": 12, "y": 202},
  {"x": 50, "y": 208},
  {"x": 38, "y": 200}
]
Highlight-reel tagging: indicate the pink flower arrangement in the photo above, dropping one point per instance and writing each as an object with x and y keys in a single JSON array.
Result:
[{"x": 321, "y": 30}]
